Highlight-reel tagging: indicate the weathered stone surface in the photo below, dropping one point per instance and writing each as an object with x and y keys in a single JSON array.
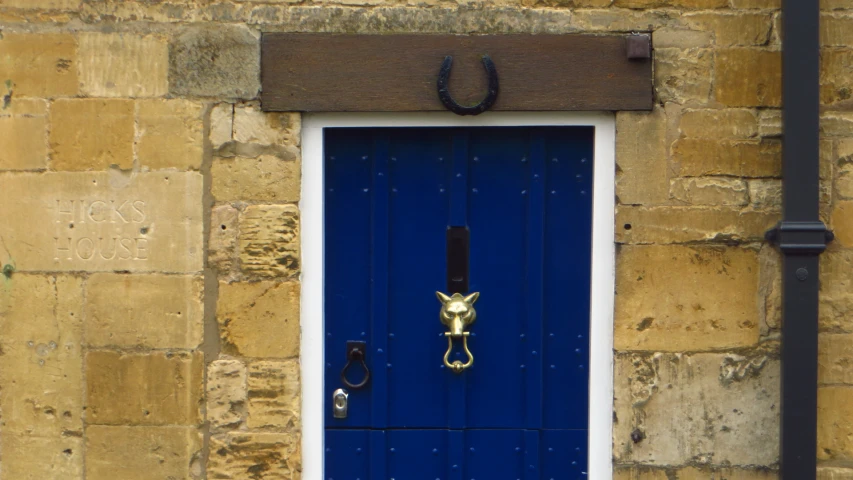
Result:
[
  {"x": 709, "y": 191},
  {"x": 91, "y": 134},
  {"x": 40, "y": 335},
  {"x": 766, "y": 194},
  {"x": 270, "y": 456},
  {"x": 222, "y": 244},
  {"x": 693, "y": 473},
  {"x": 103, "y": 221},
  {"x": 23, "y": 135},
  {"x": 680, "y": 38},
  {"x": 39, "y": 65},
  {"x": 836, "y": 31},
  {"x": 844, "y": 182},
  {"x": 123, "y": 65},
  {"x": 836, "y": 75},
  {"x": 274, "y": 394},
  {"x": 221, "y": 124},
  {"x": 171, "y": 134},
  {"x": 266, "y": 178},
  {"x": 763, "y": 4},
  {"x": 251, "y": 125},
  {"x": 142, "y": 453},
  {"x": 674, "y": 298},
  {"x": 703, "y": 409},
  {"x": 770, "y": 123},
  {"x": 259, "y": 319},
  {"x": 733, "y": 29},
  {"x": 683, "y": 76},
  {"x": 836, "y": 124},
  {"x": 834, "y": 473},
  {"x": 157, "y": 388},
  {"x": 152, "y": 311},
  {"x": 642, "y": 173},
  {"x": 835, "y": 4},
  {"x": 226, "y": 393},
  {"x": 30, "y": 457},
  {"x": 719, "y": 124},
  {"x": 691, "y": 224},
  {"x": 46, "y": 4},
  {"x": 835, "y": 358},
  {"x": 215, "y": 62},
  {"x": 748, "y": 77},
  {"x": 269, "y": 240},
  {"x": 836, "y": 291},
  {"x": 842, "y": 223},
  {"x": 834, "y": 428},
  {"x": 695, "y": 158},
  {"x": 769, "y": 289}
]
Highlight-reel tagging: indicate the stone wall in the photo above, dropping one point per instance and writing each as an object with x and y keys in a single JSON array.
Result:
[{"x": 149, "y": 234}]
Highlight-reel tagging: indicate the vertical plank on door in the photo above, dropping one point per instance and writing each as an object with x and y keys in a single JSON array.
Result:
[
  {"x": 456, "y": 455},
  {"x": 531, "y": 466},
  {"x": 457, "y": 383},
  {"x": 534, "y": 281},
  {"x": 378, "y": 455},
  {"x": 379, "y": 280}
]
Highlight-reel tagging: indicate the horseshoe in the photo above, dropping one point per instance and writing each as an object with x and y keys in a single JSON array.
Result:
[{"x": 450, "y": 104}]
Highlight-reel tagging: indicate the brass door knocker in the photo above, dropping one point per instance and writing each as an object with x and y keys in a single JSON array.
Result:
[{"x": 457, "y": 312}]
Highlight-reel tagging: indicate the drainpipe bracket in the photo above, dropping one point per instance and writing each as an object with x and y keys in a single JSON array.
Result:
[{"x": 800, "y": 238}]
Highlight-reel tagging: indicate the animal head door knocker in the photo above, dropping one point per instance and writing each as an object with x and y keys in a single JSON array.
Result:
[{"x": 457, "y": 313}]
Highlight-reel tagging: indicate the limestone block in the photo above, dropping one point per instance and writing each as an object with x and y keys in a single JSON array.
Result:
[
  {"x": 156, "y": 388},
  {"x": 700, "y": 4},
  {"x": 696, "y": 158},
  {"x": 123, "y": 65},
  {"x": 45, "y": 4},
  {"x": 842, "y": 223},
  {"x": 763, "y": 4},
  {"x": 748, "y": 78},
  {"x": 31, "y": 457},
  {"x": 259, "y": 319},
  {"x": 835, "y": 358},
  {"x": 836, "y": 124},
  {"x": 643, "y": 176},
  {"x": 844, "y": 182},
  {"x": 251, "y": 125},
  {"x": 170, "y": 134},
  {"x": 680, "y": 38},
  {"x": 691, "y": 224},
  {"x": 836, "y": 75},
  {"x": 835, "y": 4},
  {"x": 269, "y": 240},
  {"x": 719, "y": 124},
  {"x": 770, "y": 123},
  {"x": 694, "y": 473},
  {"x": 683, "y": 76},
  {"x": 39, "y": 65},
  {"x": 733, "y": 29},
  {"x": 141, "y": 222},
  {"x": 226, "y": 393},
  {"x": 23, "y": 135},
  {"x": 834, "y": 425},
  {"x": 221, "y": 124},
  {"x": 91, "y": 134},
  {"x": 834, "y": 473},
  {"x": 222, "y": 244},
  {"x": 142, "y": 453},
  {"x": 705, "y": 408},
  {"x": 769, "y": 289},
  {"x": 221, "y": 61},
  {"x": 765, "y": 194},
  {"x": 675, "y": 298},
  {"x": 40, "y": 340},
  {"x": 709, "y": 191},
  {"x": 274, "y": 394},
  {"x": 151, "y": 311},
  {"x": 266, "y": 178},
  {"x": 836, "y": 291},
  {"x": 271, "y": 456},
  {"x": 836, "y": 31}
]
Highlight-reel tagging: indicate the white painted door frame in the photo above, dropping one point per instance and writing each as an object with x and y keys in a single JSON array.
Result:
[{"x": 602, "y": 281}]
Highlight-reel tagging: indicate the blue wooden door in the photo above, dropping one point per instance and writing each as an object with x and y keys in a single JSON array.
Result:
[{"x": 525, "y": 197}]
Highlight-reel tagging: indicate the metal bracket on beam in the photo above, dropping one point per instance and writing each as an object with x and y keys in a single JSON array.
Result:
[
  {"x": 800, "y": 238},
  {"x": 639, "y": 46}
]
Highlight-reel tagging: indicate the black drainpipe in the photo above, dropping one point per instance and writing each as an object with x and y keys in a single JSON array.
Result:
[{"x": 801, "y": 236}]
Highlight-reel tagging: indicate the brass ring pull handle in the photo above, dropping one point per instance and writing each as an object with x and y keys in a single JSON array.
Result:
[
  {"x": 457, "y": 313},
  {"x": 458, "y": 366},
  {"x": 355, "y": 353}
]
